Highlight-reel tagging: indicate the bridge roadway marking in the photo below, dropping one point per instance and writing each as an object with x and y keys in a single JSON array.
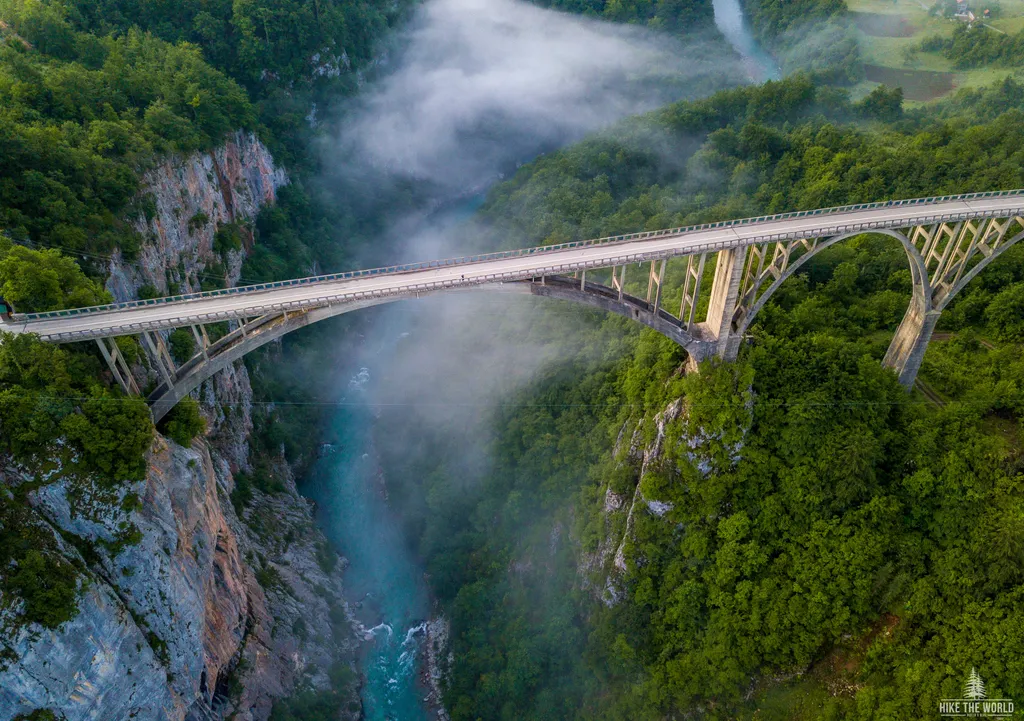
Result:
[{"x": 210, "y": 309}]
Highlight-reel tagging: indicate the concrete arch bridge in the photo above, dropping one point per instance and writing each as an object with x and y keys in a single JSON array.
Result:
[{"x": 948, "y": 240}]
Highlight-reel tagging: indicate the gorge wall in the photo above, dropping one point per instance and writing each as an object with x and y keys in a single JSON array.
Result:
[
  {"x": 184, "y": 202},
  {"x": 648, "y": 448},
  {"x": 200, "y": 601}
]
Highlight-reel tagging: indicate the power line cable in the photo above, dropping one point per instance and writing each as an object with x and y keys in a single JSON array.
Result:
[{"x": 470, "y": 404}]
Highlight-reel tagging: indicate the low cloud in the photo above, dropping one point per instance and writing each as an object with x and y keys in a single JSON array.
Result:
[
  {"x": 481, "y": 84},
  {"x": 477, "y": 87}
]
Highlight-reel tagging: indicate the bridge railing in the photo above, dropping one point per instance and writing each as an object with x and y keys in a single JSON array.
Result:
[
  {"x": 483, "y": 257},
  {"x": 333, "y": 296}
]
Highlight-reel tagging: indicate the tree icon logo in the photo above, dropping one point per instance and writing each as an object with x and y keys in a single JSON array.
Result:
[
  {"x": 975, "y": 702},
  {"x": 974, "y": 689}
]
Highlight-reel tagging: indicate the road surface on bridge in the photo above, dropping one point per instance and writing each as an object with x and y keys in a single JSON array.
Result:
[{"x": 106, "y": 321}]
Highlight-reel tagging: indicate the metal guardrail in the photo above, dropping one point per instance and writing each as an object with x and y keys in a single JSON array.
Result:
[
  {"x": 539, "y": 250},
  {"x": 332, "y": 298}
]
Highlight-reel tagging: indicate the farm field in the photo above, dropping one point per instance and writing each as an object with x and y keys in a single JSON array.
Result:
[{"x": 889, "y": 32}]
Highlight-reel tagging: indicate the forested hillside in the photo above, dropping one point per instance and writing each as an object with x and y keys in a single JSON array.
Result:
[
  {"x": 81, "y": 117},
  {"x": 812, "y": 36},
  {"x": 93, "y": 96},
  {"x": 811, "y": 514},
  {"x": 289, "y": 55},
  {"x": 671, "y": 15}
]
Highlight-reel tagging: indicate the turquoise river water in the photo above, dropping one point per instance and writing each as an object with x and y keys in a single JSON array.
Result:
[{"x": 384, "y": 579}]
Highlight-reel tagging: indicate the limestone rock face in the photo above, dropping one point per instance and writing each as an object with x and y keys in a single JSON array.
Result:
[
  {"x": 184, "y": 201},
  {"x": 651, "y": 455},
  {"x": 601, "y": 570},
  {"x": 98, "y": 665},
  {"x": 136, "y": 646},
  {"x": 437, "y": 664},
  {"x": 177, "y": 626},
  {"x": 208, "y": 615}
]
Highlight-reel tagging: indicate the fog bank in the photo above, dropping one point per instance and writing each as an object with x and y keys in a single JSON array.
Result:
[
  {"x": 475, "y": 87},
  {"x": 481, "y": 84}
]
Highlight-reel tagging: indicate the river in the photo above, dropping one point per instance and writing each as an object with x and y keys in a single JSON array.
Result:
[
  {"x": 729, "y": 19},
  {"x": 384, "y": 578}
]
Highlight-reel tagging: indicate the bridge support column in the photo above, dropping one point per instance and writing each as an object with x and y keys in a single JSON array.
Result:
[
  {"x": 654, "y": 281},
  {"x": 725, "y": 293},
  {"x": 691, "y": 291},
  {"x": 619, "y": 280},
  {"x": 202, "y": 339},
  {"x": 906, "y": 352},
  {"x": 160, "y": 356},
  {"x": 118, "y": 366}
]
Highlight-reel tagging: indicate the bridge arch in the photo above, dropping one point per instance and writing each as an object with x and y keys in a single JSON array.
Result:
[
  {"x": 266, "y": 329},
  {"x": 920, "y": 300},
  {"x": 234, "y": 346},
  {"x": 941, "y": 302}
]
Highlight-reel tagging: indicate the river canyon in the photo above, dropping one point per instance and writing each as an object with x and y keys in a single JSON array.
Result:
[
  {"x": 715, "y": 495},
  {"x": 473, "y": 89}
]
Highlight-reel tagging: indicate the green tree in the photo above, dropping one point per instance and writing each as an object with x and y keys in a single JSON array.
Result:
[
  {"x": 882, "y": 103},
  {"x": 113, "y": 432},
  {"x": 40, "y": 280},
  {"x": 184, "y": 422},
  {"x": 1006, "y": 313},
  {"x": 48, "y": 586},
  {"x": 182, "y": 343}
]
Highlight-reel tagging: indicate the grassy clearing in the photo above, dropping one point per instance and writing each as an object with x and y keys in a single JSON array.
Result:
[{"x": 889, "y": 31}]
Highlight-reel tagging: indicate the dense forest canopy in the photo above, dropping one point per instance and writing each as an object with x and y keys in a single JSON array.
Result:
[
  {"x": 973, "y": 46},
  {"x": 291, "y": 55},
  {"x": 803, "y": 565},
  {"x": 81, "y": 116},
  {"x": 774, "y": 18},
  {"x": 253, "y": 38},
  {"x": 813, "y": 36},
  {"x": 782, "y": 146},
  {"x": 672, "y": 15},
  {"x": 815, "y": 530}
]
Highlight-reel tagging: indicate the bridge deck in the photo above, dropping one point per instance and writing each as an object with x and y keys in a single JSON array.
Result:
[{"x": 204, "y": 308}]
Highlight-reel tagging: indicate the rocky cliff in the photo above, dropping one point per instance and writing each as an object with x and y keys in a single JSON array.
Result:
[
  {"x": 200, "y": 599},
  {"x": 647, "y": 448},
  {"x": 184, "y": 202},
  {"x": 201, "y": 617}
]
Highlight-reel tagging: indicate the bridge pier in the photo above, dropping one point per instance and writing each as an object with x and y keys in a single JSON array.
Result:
[
  {"x": 906, "y": 352},
  {"x": 691, "y": 291},
  {"x": 619, "y": 281},
  {"x": 725, "y": 293},
  {"x": 654, "y": 282}
]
